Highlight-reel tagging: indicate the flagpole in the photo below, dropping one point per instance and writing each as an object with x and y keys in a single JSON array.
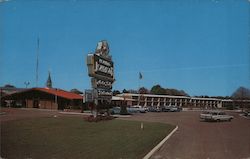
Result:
[
  {"x": 139, "y": 82},
  {"x": 139, "y": 90}
]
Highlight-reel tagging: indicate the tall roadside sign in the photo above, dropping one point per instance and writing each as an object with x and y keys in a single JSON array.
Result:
[{"x": 101, "y": 71}]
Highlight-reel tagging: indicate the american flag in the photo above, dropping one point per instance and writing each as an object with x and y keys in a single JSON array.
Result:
[{"x": 140, "y": 75}]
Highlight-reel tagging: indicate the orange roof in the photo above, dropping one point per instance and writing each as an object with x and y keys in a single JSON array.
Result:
[{"x": 60, "y": 93}]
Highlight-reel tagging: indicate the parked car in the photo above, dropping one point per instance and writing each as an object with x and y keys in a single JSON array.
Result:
[
  {"x": 155, "y": 109},
  {"x": 158, "y": 109},
  {"x": 215, "y": 115},
  {"x": 205, "y": 115},
  {"x": 136, "y": 109},
  {"x": 115, "y": 110},
  {"x": 151, "y": 109},
  {"x": 166, "y": 109},
  {"x": 247, "y": 113},
  {"x": 171, "y": 109},
  {"x": 146, "y": 109}
]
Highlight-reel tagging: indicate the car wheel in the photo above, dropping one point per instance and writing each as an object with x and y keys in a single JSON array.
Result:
[{"x": 218, "y": 120}]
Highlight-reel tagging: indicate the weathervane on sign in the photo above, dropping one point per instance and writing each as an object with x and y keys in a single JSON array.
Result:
[{"x": 102, "y": 48}]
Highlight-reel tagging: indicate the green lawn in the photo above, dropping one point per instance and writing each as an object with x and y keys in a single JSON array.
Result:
[{"x": 71, "y": 137}]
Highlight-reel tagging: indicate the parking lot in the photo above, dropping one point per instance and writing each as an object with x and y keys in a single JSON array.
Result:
[
  {"x": 197, "y": 139},
  {"x": 194, "y": 139}
]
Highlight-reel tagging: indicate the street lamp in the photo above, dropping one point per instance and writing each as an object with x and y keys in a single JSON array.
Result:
[{"x": 26, "y": 84}]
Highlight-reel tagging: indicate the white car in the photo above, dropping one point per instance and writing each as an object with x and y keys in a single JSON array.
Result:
[
  {"x": 136, "y": 109},
  {"x": 215, "y": 115}
]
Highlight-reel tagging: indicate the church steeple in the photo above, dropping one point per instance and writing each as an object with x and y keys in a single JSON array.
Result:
[{"x": 49, "y": 82}]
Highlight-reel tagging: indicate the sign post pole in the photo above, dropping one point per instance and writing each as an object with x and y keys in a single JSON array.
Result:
[{"x": 101, "y": 69}]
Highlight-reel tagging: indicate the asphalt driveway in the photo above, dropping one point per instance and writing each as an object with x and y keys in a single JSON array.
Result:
[{"x": 196, "y": 139}]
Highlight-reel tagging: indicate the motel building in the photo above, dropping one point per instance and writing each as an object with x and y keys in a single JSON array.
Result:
[{"x": 147, "y": 100}]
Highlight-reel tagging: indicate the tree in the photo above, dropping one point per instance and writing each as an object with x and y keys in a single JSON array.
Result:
[
  {"x": 115, "y": 92},
  {"x": 143, "y": 90},
  {"x": 132, "y": 91},
  {"x": 241, "y": 93},
  {"x": 76, "y": 91},
  {"x": 124, "y": 91},
  {"x": 9, "y": 86},
  {"x": 157, "y": 89},
  {"x": 183, "y": 93}
]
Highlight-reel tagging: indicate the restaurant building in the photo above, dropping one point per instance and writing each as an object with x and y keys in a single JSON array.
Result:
[{"x": 43, "y": 98}]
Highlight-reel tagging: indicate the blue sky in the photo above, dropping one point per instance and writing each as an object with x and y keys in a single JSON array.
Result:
[{"x": 199, "y": 46}]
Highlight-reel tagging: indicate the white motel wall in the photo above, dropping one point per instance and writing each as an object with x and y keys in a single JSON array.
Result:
[{"x": 130, "y": 99}]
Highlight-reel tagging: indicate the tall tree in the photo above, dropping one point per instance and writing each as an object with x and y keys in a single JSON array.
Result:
[
  {"x": 9, "y": 86},
  {"x": 143, "y": 90},
  {"x": 132, "y": 91},
  {"x": 125, "y": 91},
  {"x": 157, "y": 89},
  {"x": 241, "y": 93},
  {"x": 115, "y": 92}
]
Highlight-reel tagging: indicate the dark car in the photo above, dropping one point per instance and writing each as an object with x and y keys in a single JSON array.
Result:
[{"x": 154, "y": 109}]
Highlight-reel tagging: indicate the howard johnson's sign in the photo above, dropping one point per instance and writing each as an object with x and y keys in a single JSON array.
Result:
[{"x": 101, "y": 69}]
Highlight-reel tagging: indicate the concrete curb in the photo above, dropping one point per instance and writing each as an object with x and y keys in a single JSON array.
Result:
[
  {"x": 160, "y": 144},
  {"x": 121, "y": 116},
  {"x": 39, "y": 109},
  {"x": 74, "y": 113},
  {"x": 2, "y": 113}
]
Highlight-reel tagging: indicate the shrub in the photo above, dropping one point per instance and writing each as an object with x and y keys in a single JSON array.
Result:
[{"x": 91, "y": 118}]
